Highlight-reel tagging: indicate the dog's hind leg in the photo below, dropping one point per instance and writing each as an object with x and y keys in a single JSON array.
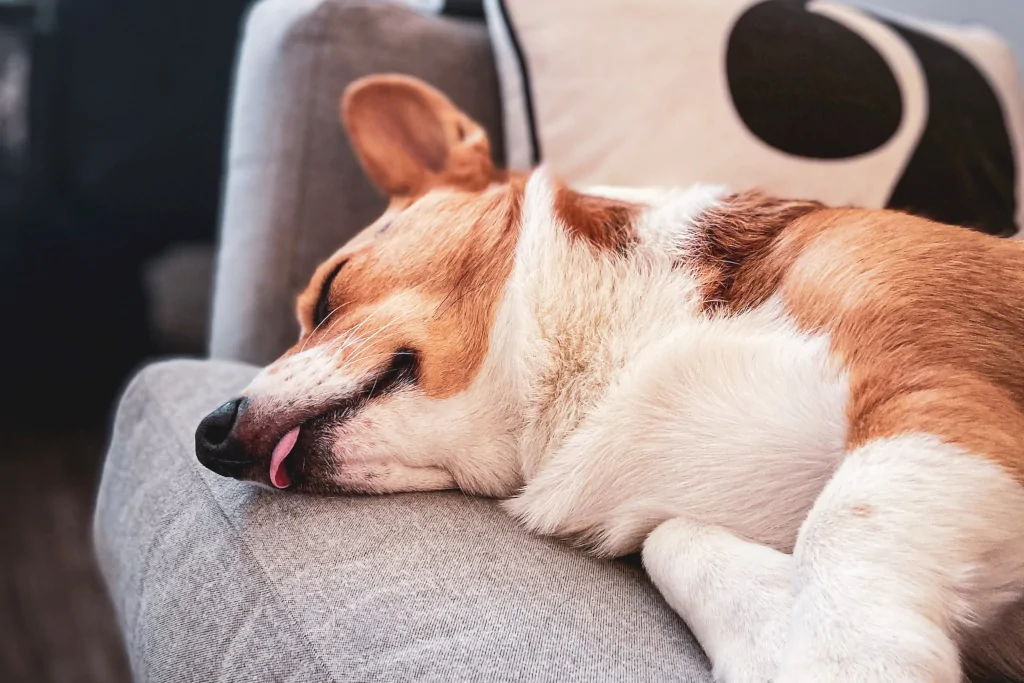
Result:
[
  {"x": 733, "y": 594},
  {"x": 914, "y": 549}
]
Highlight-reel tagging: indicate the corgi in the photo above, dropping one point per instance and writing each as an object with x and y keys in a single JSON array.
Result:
[{"x": 808, "y": 420}]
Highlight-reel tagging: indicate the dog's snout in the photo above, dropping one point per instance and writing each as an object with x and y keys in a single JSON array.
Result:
[{"x": 217, "y": 445}]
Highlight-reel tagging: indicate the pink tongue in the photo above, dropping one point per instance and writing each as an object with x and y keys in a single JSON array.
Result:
[{"x": 278, "y": 475}]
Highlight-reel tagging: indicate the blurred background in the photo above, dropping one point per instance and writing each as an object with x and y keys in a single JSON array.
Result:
[
  {"x": 113, "y": 117},
  {"x": 112, "y": 127}
]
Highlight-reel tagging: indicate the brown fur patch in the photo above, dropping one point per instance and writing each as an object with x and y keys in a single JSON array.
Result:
[
  {"x": 928, "y": 318},
  {"x": 432, "y": 282},
  {"x": 606, "y": 224},
  {"x": 732, "y": 243}
]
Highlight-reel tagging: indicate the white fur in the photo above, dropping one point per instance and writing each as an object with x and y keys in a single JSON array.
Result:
[
  {"x": 913, "y": 550},
  {"x": 306, "y": 379},
  {"x": 665, "y": 229},
  {"x": 736, "y": 596},
  {"x": 756, "y": 429},
  {"x": 913, "y": 544},
  {"x": 638, "y": 407}
]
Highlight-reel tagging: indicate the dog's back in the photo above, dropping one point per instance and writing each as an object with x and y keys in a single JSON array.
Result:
[{"x": 928, "y": 318}]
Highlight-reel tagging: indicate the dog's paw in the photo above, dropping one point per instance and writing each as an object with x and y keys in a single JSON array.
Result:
[
  {"x": 875, "y": 646},
  {"x": 750, "y": 652},
  {"x": 735, "y": 595},
  {"x": 746, "y": 665}
]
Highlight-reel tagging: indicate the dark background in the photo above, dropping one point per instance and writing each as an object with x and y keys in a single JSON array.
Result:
[{"x": 128, "y": 106}]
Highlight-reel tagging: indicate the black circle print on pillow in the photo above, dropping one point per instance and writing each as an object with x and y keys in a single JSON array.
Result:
[
  {"x": 809, "y": 86},
  {"x": 812, "y": 87}
]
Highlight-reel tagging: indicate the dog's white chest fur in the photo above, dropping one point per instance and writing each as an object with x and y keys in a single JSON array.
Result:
[{"x": 639, "y": 408}]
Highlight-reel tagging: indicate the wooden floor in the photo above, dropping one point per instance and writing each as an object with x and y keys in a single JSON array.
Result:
[{"x": 56, "y": 624}]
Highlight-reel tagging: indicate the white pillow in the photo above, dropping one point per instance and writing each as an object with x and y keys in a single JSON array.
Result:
[{"x": 811, "y": 100}]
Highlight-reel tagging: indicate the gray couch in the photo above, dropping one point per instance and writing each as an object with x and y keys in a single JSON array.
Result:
[{"x": 214, "y": 580}]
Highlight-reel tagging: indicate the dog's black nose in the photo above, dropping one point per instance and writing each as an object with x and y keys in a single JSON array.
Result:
[{"x": 217, "y": 446}]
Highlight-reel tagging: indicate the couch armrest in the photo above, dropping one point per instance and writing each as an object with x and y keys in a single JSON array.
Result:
[{"x": 294, "y": 192}]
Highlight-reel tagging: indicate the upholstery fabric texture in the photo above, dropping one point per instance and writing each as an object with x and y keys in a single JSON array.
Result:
[{"x": 216, "y": 581}]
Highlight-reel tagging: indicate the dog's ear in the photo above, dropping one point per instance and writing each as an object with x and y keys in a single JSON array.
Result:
[{"x": 410, "y": 138}]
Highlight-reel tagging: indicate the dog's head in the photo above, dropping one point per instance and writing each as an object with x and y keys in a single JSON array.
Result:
[{"x": 385, "y": 389}]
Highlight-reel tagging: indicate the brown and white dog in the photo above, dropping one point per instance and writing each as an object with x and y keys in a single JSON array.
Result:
[{"x": 810, "y": 420}]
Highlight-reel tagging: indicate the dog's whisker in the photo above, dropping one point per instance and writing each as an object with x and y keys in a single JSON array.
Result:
[
  {"x": 373, "y": 388},
  {"x": 343, "y": 341},
  {"x": 332, "y": 347},
  {"x": 326, "y": 318},
  {"x": 378, "y": 332},
  {"x": 355, "y": 353},
  {"x": 351, "y": 340}
]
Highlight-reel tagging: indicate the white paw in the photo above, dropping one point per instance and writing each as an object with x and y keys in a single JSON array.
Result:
[
  {"x": 749, "y": 650},
  {"x": 874, "y": 646},
  {"x": 756, "y": 665},
  {"x": 734, "y": 595}
]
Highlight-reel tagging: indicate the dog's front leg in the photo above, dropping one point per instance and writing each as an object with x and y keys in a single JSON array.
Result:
[
  {"x": 734, "y": 595},
  {"x": 913, "y": 546}
]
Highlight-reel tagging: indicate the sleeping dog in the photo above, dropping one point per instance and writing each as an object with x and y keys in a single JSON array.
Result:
[{"x": 809, "y": 420}]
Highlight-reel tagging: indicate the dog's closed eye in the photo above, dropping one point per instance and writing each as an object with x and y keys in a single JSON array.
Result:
[{"x": 323, "y": 302}]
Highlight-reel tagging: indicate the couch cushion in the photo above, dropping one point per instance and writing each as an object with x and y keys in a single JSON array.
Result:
[{"x": 215, "y": 580}]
